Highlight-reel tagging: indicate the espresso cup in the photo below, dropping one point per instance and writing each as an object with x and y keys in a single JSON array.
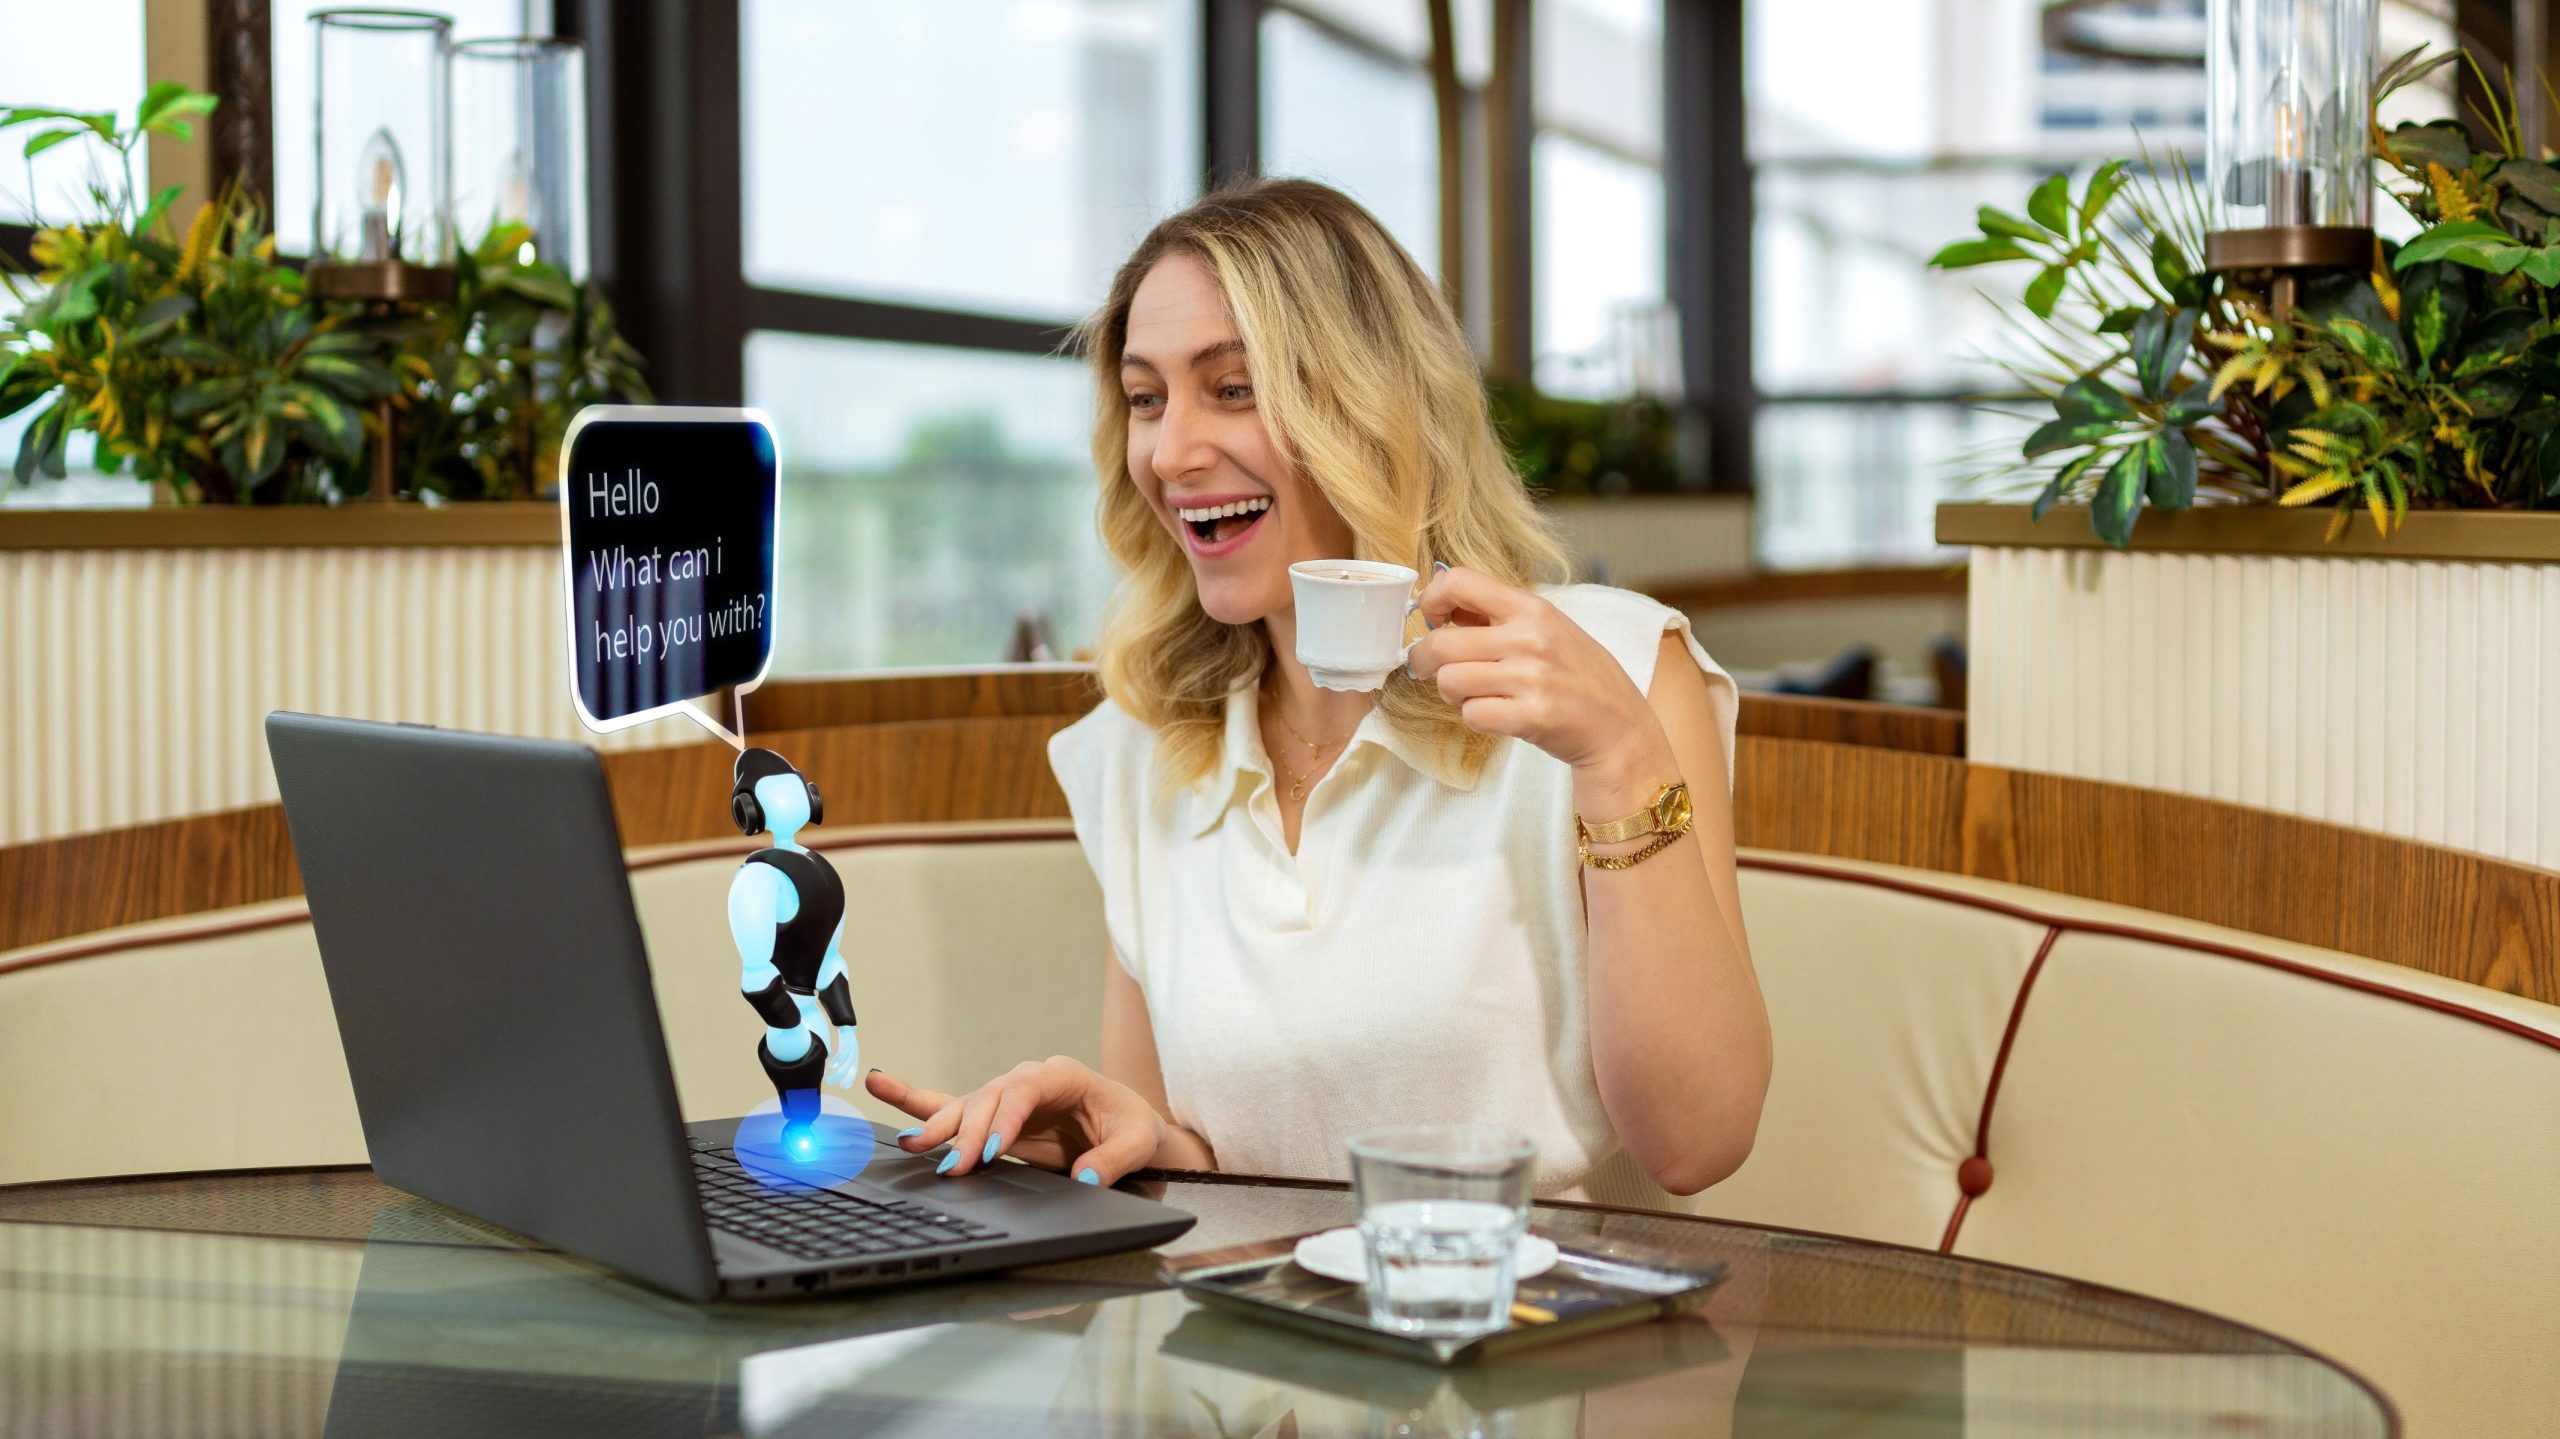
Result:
[{"x": 1351, "y": 616}]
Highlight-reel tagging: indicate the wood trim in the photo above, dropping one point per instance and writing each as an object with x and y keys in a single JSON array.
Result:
[
  {"x": 896, "y": 773},
  {"x": 2450, "y": 912},
  {"x": 2267, "y": 530},
  {"x": 1772, "y": 587},
  {"x": 230, "y": 527},
  {"x": 1853, "y": 722}
]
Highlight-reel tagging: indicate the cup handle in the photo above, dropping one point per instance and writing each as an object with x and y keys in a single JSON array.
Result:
[{"x": 1411, "y": 604}]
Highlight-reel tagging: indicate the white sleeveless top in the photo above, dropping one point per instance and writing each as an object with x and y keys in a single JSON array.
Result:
[{"x": 1419, "y": 960}]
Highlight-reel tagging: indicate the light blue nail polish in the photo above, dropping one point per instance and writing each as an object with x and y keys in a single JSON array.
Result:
[
  {"x": 911, "y": 1133},
  {"x": 1087, "y": 1176},
  {"x": 994, "y": 1143},
  {"x": 947, "y": 1161}
]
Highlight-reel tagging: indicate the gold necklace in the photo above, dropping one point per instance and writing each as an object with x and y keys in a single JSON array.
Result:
[{"x": 1315, "y": 752}]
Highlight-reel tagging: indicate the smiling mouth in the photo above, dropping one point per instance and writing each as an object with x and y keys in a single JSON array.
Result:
[{"x": 1217, "y": 524}]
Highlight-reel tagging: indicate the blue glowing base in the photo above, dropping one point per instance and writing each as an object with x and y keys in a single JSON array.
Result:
[{"x": 834, "y": 1147}]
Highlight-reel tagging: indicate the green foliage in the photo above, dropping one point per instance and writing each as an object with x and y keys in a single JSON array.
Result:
[
  {"x": 1586, "y": 446},
  {"x": 490, "y": 381},
  {"x": 198, "y": 361},
  {"x": 192, "y": 359},
  {"x": 2433, "y": 380}
]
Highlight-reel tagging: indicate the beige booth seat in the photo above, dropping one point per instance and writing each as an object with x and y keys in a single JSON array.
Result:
[
  {"x": 208, "y": 1042},
  {"x": 2355, "y": 1155}
]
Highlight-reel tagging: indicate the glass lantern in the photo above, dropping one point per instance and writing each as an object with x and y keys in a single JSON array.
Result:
[
  {"x": 520, "y": 146},
  {"x": 383, "y": 92},
  {"x": 2289, "y": 103}
]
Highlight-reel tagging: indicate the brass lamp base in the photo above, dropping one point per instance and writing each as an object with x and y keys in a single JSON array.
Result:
[
  {"x": 386, "y": 285},
  {"x": 2290, "y": 247},
  {"x": 386, "y": 282}
]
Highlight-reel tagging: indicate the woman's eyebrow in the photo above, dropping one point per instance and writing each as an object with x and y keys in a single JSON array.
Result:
[{"x": 1202, "y": 356}]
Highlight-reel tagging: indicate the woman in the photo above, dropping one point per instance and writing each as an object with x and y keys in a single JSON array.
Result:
[{"x": 1330, "y": 910}]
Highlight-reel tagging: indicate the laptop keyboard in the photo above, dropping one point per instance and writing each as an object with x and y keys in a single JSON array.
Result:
[{"x": 818, "y": 1224}]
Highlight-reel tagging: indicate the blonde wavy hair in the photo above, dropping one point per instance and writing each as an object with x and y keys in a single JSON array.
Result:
[{"x": 1367, "y": 386}]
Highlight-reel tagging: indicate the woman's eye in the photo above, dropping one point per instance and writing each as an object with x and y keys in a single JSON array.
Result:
[
  {"x": 1235, "y": 394},
  {"x": 1143, "y": 404}
]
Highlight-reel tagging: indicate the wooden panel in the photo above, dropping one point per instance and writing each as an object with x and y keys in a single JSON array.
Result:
[
  {"x": 2445, "y": 911},
  {"x": 236, "y": 527},
  {"x": 799, "y": 704},
  {"x": 2266, "y": 530},
  {"x": 877, "y": 774},
  {"x": 1853, "y": 722},
  {"x": 1849, "y": 802},
  {"x": 1786, "y": 586}
]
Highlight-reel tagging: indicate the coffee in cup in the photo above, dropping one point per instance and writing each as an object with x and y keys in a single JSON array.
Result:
[{"x": 1351, "y": 618}]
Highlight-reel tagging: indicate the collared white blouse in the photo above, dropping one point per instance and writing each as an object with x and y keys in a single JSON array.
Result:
[{"x": 1419, "y": 960}]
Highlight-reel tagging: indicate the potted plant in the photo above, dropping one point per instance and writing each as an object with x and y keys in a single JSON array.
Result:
[
  {"x": 201, "y": 366},
  {"x": 190, "y": 355},
  {"x": 2201, "y": 626},
  {"x": 2430, "y": 380}
]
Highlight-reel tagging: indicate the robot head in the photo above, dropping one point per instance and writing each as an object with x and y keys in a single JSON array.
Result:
[{"x": 755, "y": 768}]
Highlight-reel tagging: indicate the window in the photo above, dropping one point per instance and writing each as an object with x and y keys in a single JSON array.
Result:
[
  {"x": 934, "y": 499},
  {"x": 938, "y": 506},
  {"x": 66, "y": 57},
  {"x": 1601, "y": 322},
  {"x": 1346, "y": 99},
  {"x": 1071, "y": 122}
]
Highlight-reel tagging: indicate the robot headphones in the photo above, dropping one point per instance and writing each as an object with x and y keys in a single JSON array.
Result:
[{"x": 756, "y": 764}]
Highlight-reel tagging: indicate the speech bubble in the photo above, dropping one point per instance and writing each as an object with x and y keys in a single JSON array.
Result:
[{"x": 667, "y": 560}]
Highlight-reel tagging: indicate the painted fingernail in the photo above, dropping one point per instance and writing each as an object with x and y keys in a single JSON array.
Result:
[
  {"x": 1439, "y": 565},
  {"x": 911, "y": 1133},
  {"x": 994, "y": 1143},
  {"x": 1087, "y": 1176},
  {"x": 947, "y": 1161}
]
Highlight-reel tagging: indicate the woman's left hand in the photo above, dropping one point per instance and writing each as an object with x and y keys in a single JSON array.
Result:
[{"x": 1515, "y": 665}]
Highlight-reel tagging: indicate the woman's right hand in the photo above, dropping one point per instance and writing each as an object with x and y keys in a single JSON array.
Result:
[{"x": 1056, "y": 1112}]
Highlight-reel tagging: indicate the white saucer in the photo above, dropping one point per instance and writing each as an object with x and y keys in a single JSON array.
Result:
[{"x": 1336, "y": 1254}]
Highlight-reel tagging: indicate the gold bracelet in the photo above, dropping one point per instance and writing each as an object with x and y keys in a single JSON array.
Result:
[{"x": 1660, "y": 843}]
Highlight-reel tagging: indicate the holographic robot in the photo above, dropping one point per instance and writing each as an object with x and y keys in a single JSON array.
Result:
[{"x": 786, "y": 912}]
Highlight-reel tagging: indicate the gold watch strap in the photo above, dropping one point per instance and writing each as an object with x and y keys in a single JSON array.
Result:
[{"x": 1648, "y": 820}]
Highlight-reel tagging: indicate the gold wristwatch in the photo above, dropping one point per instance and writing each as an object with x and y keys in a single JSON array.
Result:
[{"x": 1667, "y": 818}]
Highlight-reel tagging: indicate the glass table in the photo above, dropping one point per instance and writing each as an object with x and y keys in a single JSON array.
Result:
[{"x": 323, "y": 1302}]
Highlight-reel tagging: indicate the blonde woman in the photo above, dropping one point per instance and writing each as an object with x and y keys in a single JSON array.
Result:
[{"x": 1331, "y": 910}]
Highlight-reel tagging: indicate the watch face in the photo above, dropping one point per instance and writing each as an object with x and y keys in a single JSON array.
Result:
[{"x": 1673, "y": 811}]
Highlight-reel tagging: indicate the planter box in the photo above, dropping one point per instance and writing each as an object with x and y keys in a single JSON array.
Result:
[
  {"x": 146, "y": 646},
  {"x": 2409, "y": 685}
]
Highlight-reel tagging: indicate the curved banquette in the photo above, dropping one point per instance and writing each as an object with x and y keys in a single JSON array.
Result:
[{"x": 2347, "y": 1149}]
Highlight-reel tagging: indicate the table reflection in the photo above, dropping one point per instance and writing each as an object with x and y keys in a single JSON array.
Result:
[{"x": 411, "y": 1320}]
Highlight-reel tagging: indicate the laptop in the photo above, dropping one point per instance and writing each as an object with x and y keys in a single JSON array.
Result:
[{"x": 494, "y": 1000}]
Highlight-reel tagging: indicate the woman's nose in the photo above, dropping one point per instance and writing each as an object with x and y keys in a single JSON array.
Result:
[{"x": 1184, "y": 443}]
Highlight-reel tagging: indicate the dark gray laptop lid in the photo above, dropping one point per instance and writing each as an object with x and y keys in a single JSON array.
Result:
[{"x": 491, "y": 986}]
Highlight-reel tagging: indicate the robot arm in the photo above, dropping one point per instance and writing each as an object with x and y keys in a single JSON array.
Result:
[{"x": 835, "y": 996}]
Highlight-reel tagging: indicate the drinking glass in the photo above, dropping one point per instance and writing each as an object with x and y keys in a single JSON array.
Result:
[{"x": 1442, "y": 1210}]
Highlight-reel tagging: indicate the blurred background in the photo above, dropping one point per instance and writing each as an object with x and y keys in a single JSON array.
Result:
[{"x": 1687, "y": 236}]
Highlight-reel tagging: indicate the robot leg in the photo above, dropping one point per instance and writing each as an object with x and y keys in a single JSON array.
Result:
[{"x": 796, "y": 1080}]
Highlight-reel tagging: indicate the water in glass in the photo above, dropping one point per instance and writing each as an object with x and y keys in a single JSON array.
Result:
[
  {"x": 1442, "y": 1210},
  {"x": 1441, "y": 1268}
]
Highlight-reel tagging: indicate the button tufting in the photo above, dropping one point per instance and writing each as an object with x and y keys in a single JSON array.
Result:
[{"x": 1974, "y": 1176}]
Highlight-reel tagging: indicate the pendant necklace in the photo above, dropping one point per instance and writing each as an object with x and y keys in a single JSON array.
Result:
[{"x": 1315, "y": 752}]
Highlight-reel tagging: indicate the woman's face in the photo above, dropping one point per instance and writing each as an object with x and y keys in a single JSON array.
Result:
[{"x": 1200, "y": 454}]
